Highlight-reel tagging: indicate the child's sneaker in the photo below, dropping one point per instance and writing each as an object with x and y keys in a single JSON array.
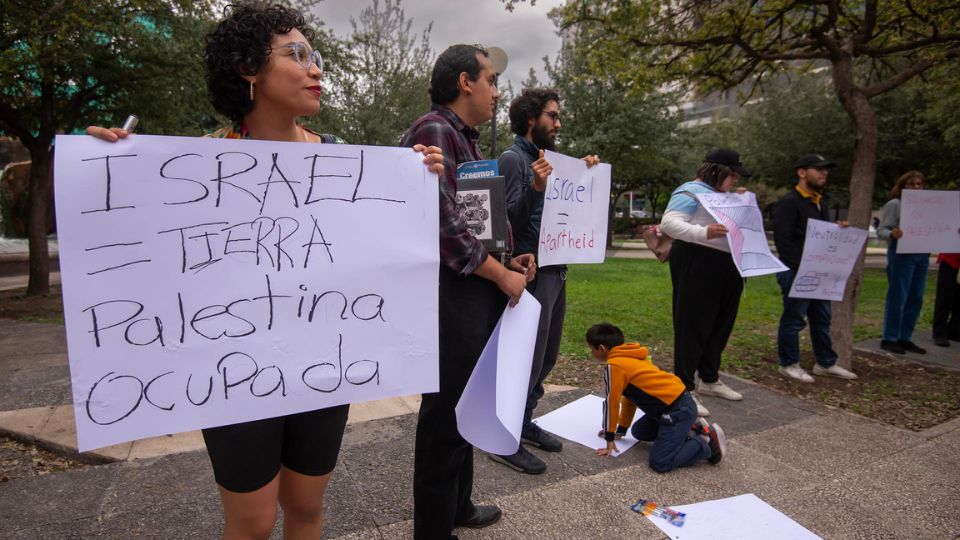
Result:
[
  {"x": 701, "y": 427},
  {"x": 718, "y": 444}
]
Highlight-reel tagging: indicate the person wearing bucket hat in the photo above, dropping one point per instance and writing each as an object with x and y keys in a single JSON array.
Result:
[
  {"x": 789, "y": 233},
  {"x": 706, "y": 283}
]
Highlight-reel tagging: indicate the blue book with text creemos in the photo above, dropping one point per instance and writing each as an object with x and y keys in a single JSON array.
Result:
[{"x": 478, "y": 169}]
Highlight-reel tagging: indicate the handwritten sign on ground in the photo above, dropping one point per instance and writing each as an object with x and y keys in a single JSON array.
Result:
[
  {"x": 829, "y": 253},
  {"x": 930, "y": 221},
  {"x": 573, "y": 228},
  {"x": 208, "y": 282},
  {"x": 745, "y": 234}
]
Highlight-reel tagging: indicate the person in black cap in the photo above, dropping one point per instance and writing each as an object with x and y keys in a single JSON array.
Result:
[
  {"x": 789, "y": 233},
  {"x": 706, "y": 283}
]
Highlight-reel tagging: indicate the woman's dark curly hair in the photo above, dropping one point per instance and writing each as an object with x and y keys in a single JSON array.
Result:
[{"x": 240, "y": 45}]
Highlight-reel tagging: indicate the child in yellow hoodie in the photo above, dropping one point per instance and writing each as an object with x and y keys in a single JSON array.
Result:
[{"x": 669, "y": 418}]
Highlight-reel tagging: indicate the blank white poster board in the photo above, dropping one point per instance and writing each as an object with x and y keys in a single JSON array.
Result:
[
  {"x": 490, "y": 410},
  {"x": 580, "y": 420},
  {"x": 744, "y": 517}
]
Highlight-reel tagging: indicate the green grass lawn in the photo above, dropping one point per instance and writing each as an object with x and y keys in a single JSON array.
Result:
[{"x": 635, "y": 295}]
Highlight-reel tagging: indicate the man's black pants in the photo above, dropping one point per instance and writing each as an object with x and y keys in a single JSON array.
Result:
[{"x": 443, "y": 464}]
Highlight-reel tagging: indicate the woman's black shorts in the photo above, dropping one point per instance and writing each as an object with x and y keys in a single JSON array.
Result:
[{"x": 247, "y": 456}]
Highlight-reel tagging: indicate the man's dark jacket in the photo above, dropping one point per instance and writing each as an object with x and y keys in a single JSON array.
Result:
[{"x": 790, "y": 225}]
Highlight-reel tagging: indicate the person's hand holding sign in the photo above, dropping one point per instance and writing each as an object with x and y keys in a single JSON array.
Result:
[{"x": 541, "y": 172}]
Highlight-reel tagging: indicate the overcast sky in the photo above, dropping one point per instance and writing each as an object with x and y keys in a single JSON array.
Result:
[{"x": 526, "y": 34}]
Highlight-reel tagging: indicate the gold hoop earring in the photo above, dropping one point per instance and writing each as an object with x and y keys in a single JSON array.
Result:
[{"x": 251, "y": 91}]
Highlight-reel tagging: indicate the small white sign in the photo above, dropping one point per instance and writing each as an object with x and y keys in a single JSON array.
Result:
[
  {"x": 829, "y": 253},
  {"x": 930, "y": 221},
  {"x": 576, "y": 205},
  {"x": 744, "y": 222}
]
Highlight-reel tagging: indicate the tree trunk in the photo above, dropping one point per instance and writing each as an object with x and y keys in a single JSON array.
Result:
[
  {"x": 37, "y": 225},
  {"x": 863, "y": 176}
]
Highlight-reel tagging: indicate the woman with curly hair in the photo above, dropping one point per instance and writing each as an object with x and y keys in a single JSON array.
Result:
[
  {"x": 906, "y": 274},
  {"x": 262, "y": 74}
]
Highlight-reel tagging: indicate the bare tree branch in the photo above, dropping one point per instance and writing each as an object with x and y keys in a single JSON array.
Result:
[{"x": 904, "y": 76}]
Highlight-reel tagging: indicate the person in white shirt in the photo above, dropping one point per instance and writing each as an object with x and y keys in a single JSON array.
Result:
[{"x": 706, "y": 283}]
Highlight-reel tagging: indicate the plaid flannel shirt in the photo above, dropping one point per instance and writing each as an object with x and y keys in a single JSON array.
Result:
[{"x": 459, "y": 249}]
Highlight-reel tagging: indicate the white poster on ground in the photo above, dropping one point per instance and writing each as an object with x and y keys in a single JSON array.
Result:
[
  {"x": 573, "y": 228},
  {"x": 580, "y": 421},
  {"x": 745, "y": 234},
  {"x": 490, "y": 410},
  {"x": 744, "y": 517},
  {"x": 208, "y": 281},
  {"x": 829, "y": 253},
  {"x": 930, "y": 221}
]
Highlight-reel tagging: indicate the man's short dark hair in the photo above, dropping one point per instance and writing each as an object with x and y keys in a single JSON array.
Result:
[
  {"x": 529, "y": 104},
  {"x": 445, "y": 79},
  {"x": 604, "y": 334},
  {"x": 240, "y": 45}
]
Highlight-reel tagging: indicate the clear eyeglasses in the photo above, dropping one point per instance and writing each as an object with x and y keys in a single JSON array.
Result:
[{"x": 305, "y": 56}]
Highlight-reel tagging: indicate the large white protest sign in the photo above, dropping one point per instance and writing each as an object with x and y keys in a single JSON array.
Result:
[
  {"x": 829, "y": 253},
  {"x": 930, "y": 221},
  {"x": 490, "y": 410},
  {"x": 208, "y": 282},
  {"x": 573, "y": 227},
  {"x": 745, "y": 234}
]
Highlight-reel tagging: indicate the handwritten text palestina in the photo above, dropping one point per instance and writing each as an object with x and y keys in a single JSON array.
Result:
[{"x": 130, "y": 322}]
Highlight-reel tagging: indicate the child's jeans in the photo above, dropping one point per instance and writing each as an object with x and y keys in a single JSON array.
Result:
[{"x": 673, "y": 446}]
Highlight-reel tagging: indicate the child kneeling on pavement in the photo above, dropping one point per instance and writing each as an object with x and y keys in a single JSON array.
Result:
[{"x": 669, "y": 418}]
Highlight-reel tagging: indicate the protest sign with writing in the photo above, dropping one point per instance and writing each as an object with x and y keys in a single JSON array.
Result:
[
  {"x": 208, "y": 282},
  {"x": 930, "y": 221},
  {"x": 745, "y": 234},
  {"x": 573, "y": 228},
  {"x": 829, "y": 253}
]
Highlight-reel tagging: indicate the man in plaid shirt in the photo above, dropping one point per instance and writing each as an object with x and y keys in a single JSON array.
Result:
[{"x": 475, "y": 287}]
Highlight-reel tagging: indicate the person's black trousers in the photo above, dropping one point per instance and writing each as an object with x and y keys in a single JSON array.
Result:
[
  {"x": 706, "y": 296},
  {"x": 946, "y": 306},
  {"x": 549, "y": 287},
  {"x": 443, "y": 463}
]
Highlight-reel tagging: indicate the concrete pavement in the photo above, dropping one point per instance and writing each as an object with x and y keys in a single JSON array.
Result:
[{"x": 837, "y": 474}]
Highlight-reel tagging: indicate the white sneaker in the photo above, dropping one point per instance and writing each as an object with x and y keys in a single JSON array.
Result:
[
  {"x": 834, "y": 371},
  {"x": 701, "y": 410},
  {"x": 720, "y": 390},
  {"x": 794, "y": 371}
]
